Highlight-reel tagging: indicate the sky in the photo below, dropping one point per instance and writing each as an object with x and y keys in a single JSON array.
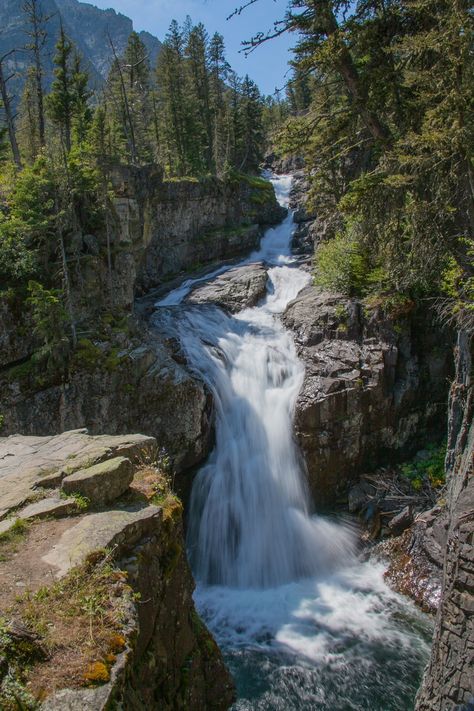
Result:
[{"x": 267, "y": 65}]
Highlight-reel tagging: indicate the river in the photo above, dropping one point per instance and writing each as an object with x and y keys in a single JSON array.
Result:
[{"x": 303, "y": 621}]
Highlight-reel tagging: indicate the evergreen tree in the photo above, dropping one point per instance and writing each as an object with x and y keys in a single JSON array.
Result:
[
  {"x": 37, "y": 34},
  {"x": 28, "y": 119},
  {"x": 219, "y": 70},
  {"x": 136, "y": 69},
  {"x": 60, "y": 101},
  {"x": 173, "y": 106},
  {"x": 251, "y": 127}
]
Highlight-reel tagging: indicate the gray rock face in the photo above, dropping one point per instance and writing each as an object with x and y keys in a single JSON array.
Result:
[
  {"x": 372, "y": 392},
  {"x": 416, "y": 559},
  {"x": 101, "y": 483},
  {"x": 146, "y": 389},
  {"x": 188, "y": 223},
  {"x": 449, "y": 678},
  {"x": 234, "y": 290}
]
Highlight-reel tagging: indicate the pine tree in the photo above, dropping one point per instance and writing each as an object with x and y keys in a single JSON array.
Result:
[
  {"x": 60, "y": 101},
  {"x": 37, "y": 35},
  {"x": 170, "y": 77},
  {"x": 8, "y": 112},
  {"x": 198, "y": 119},
  {"x": 81, "y": 95},
  {"x": 28, "y": 119},
  {"x": 219, "y": 69},
  {"x": 251, "y": 126},
  {"x": 136, "y": 70}
]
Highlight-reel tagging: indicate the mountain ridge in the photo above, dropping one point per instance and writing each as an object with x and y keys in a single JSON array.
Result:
[{"x": 88, "y": 26}]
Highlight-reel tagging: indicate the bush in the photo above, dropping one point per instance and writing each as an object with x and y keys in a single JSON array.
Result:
[{"x": 342, "y": 266}]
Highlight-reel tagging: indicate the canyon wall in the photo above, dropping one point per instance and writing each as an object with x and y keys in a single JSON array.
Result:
[
  {"x": 121, "y": 377},
  {"x": 449, "y": 678}
]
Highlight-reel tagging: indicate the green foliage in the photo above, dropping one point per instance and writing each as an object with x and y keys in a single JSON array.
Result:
[
  {"x": 383, "y": 112},
  {"x": 82, "y": 502},
  {"x": 48, "y": 313},
  {"x": 429, "y": 468},
  {"x": 341, "y": 266},
  {"x": 87, "y": 355}
]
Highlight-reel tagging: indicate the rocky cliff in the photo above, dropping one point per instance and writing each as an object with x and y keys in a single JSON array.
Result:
[
  {"x": 121, "y": 377},
  {"x": 449, "y": 678},
  {"x": 96, "y": 606},
  {"x": 375, "y": 386}
]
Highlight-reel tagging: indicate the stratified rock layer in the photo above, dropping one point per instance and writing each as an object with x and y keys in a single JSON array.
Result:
[{"x": 375, "y": 389}]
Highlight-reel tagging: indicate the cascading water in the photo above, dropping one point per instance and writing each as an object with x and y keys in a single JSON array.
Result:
[{"x": 304, "y": 625}]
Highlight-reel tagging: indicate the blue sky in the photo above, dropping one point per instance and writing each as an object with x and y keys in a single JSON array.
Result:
[{"x": 267, "y": 65}]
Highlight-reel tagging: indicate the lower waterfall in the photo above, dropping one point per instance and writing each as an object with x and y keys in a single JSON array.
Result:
[{"x": 303, "y": 622}]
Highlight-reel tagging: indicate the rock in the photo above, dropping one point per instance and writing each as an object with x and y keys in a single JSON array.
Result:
[
  {"x": 448, "y": 677},
  {"x": 358, "y": 496},
  {"x": 27, "y": 462},
  {"x": 370, "y": 393},
  {"x": 401, "y": 521},
  {"x": 117, "y": 529},
  {"x": 234, "y": 290},
  {"x": 101, "y": 483},
  {"x": 53, "y": 506},
  {"x": 416, "y": 559}
]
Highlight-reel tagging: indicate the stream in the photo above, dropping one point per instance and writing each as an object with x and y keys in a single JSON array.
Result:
[{"x": 303, "y": 622}]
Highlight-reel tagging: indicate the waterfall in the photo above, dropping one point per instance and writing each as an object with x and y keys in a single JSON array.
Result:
[
  {"x": 303, "y": 622},
  {"x": 250, "y": 523}
]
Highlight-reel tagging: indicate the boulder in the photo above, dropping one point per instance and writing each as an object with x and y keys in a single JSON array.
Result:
[
  {"x": 28, "y": 462},
  {"x": 116, "y": 528},
  {"x": 101, "y": 483},
  {"x": 234, "y": 290}
]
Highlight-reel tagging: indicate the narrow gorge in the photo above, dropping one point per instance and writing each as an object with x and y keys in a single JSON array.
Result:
[{"x": 269, "y": 398}]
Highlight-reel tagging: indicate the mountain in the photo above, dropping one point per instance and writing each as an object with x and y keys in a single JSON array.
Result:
[{"x": 86, "y": 25}]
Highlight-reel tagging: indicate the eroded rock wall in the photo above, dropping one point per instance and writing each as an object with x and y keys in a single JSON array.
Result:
[
  {"x": 140, "y": 386},
  {"x": 449, "y": 678},
  {"x": 375, "y": 388},
  {"x": 120, "y": 378}
]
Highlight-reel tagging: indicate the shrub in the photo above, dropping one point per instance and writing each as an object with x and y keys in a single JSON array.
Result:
[{"x": 342, "y": 266}]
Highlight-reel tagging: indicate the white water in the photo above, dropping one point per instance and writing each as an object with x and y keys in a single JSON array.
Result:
[{"x": 272, "y": 578}]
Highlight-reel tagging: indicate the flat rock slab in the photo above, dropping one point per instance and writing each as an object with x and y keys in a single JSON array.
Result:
[
  {"x": 52, "y": 506},
  {"x": 236, "y": 289},
  {"x": 7, "y": 525},
  {"x": 116, "y": 528},
  {"x": 27, "y": 462},
  {"x": 101, "y": 483}
]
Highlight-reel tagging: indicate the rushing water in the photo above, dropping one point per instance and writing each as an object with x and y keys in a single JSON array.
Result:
[{"x": 303, "y": 623}]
